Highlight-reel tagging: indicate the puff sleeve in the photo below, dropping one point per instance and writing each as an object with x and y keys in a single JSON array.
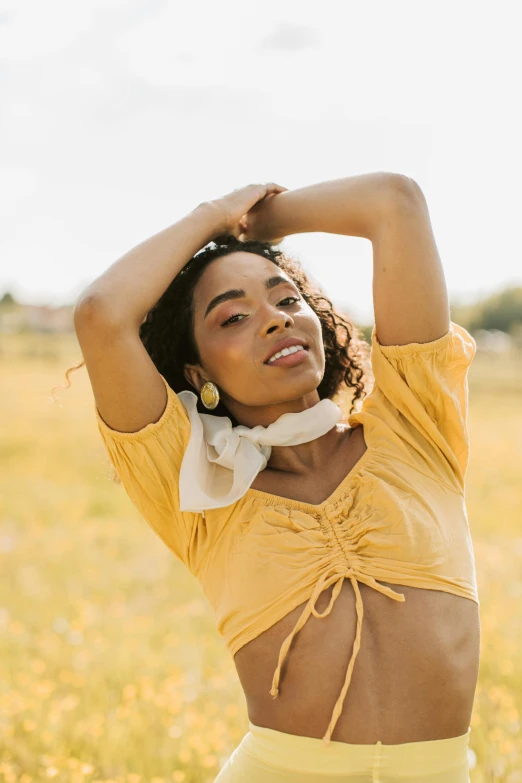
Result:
[
  {"x": 148, "y": 463},
  {"x": 421, "y": 392}
]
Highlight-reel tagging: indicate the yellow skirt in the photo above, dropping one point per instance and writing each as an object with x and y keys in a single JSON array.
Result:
[{"x": 268, "y": 756}]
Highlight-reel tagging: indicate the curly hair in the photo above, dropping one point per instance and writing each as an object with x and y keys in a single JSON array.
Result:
[{"x": 167, "y": 331}]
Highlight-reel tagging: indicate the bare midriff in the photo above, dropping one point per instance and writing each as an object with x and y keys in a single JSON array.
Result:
[{"x": 414, "y": 677}]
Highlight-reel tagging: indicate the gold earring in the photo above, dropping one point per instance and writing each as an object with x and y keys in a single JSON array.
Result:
[{"x": 209, "y": 395}]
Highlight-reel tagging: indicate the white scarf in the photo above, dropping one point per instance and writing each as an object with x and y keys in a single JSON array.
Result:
[{"x": 221, "y": 462}]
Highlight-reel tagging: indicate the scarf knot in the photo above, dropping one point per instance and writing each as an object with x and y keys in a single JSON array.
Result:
[{"x": 221, "y": 461}]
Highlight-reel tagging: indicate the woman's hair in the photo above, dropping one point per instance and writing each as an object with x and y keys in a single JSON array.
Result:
[{"x": 167, "y": 331}]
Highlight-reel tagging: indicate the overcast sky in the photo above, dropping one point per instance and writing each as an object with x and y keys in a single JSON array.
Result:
[{"x": 117, "y": 117}]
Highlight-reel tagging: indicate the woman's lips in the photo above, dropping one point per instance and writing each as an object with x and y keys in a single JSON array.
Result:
[{"x": 291, "y": 359}]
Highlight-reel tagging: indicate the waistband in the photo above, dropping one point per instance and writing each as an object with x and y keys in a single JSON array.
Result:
[{"x": 309, "y": 754}]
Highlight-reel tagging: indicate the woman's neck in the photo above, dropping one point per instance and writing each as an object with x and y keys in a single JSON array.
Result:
[
  {"x": 265, "y": 415},
  {"x": 308, "y": 457}
]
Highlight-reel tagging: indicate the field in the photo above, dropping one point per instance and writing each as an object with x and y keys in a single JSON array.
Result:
[{"x": 112, "y": 671}]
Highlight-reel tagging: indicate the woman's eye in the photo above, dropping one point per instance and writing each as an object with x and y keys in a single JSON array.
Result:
[{"x": 229, "y": 320}]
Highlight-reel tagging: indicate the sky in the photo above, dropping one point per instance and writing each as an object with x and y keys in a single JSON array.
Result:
[{"x": 118, "y": 117}]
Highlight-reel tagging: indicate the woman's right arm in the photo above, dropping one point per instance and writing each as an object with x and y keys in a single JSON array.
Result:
[
  {"x": 132, "y": 285},
  {"x": 127, "y": 387}
]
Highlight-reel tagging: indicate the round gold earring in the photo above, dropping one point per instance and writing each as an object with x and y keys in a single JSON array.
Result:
[{"x": 209, "y": 394}]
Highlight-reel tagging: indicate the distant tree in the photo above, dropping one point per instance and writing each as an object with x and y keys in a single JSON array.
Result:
[
  {"x": 8, "y": 300},
  {"x": 501, "y": 310}
]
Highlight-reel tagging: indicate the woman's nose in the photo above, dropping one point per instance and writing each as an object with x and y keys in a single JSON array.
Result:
[{"x": 279, "y": 320}]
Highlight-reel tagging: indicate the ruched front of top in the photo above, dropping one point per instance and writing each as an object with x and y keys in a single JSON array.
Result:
[{"x": 399, "y": 516}]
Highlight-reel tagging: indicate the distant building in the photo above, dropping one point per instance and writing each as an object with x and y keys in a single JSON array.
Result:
[
  {"x": 36, "y": 318},
  {"x": 494, "y": 340}
]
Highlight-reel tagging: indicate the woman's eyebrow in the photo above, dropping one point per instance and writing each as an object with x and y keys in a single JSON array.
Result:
[{"x": 237, "y": 293}]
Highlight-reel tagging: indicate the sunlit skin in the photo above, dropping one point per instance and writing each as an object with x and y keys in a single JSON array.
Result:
[{"x": 233, "y": 355}]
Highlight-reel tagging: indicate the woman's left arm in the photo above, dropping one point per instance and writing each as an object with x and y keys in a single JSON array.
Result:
[{"x": 353, "y": 206}]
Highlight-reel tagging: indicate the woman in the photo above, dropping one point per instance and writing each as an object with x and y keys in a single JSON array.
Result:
[{"x": 299, "y": 525}]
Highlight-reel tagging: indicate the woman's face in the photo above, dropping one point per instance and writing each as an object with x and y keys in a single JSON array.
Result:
[{"x": 238, "y": 331}]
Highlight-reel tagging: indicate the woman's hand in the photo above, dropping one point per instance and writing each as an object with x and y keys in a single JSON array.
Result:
[{"x": 242, "y": 212}]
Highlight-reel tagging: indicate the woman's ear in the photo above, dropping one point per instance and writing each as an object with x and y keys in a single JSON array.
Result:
[{"x": 195, "y": 376}]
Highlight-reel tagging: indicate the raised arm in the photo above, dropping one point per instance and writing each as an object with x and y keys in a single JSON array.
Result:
[{"x": 127, "y": 387}]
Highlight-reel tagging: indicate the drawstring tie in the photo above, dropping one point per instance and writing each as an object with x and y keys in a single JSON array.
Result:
[{"x": 322, "y": 584}]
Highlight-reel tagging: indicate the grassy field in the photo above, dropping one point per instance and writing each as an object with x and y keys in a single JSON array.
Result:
[{"x": 111, "y": 669}]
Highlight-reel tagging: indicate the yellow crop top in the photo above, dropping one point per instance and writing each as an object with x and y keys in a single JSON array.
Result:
[{"x": 398, "y": 516}]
